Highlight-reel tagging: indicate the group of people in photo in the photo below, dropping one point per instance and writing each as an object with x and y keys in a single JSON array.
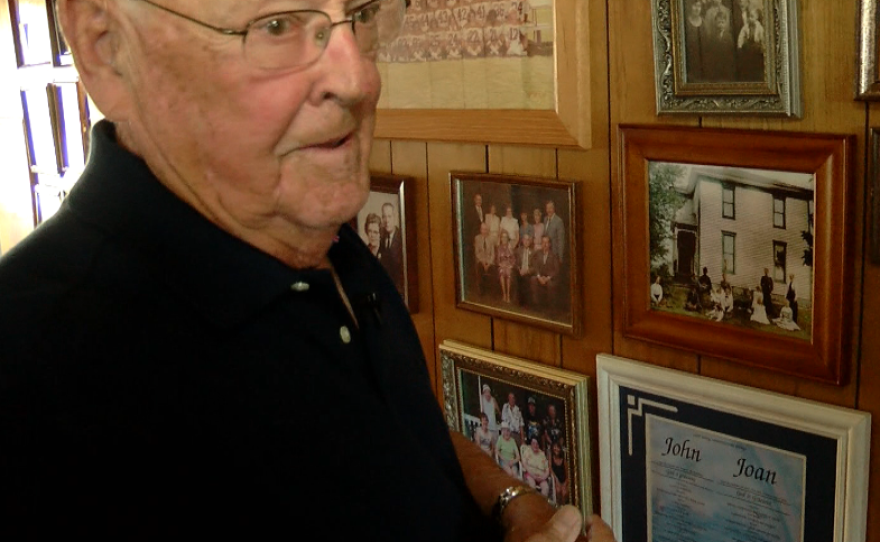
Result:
[
  {"x": 454, "y": 29},
  {"x": 383, "y": 238},
  {"x": 518, "y": 260},
  {"x": 719, "y": 301},
  {"x": 725, "y": 41},
  {"x": 528, "y": 445}
]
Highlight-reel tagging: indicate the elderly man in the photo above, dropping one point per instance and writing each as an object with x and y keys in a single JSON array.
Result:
[{"x": 194, "y": 343}]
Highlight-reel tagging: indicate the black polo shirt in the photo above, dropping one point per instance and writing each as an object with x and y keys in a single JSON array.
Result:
[{"x": 160, "y": 375}]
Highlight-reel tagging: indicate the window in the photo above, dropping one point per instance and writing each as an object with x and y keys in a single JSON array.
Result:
[
  {"x": 728, "y": 252},
  {"x": 54, "y": 104},
  {"x": 728, "y": 202},
  {"x": 778, "y": 212},
  {"x": 780, "y": 250}
]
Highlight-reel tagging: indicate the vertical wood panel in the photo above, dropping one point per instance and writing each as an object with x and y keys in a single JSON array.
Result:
[
  {"x": 511, "y": 338},
  {"x": 592, "y": 169},
  {"x": 411, "y": 158},
  {"x": 450, "y": 321},
  {"x": 869, "y": 369}
]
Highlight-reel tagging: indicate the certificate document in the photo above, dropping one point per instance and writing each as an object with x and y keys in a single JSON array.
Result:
[{"x": 706, "y": 486}]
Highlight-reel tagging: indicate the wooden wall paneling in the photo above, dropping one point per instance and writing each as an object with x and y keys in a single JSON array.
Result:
[
  {"x": 868, "y": 375},
  {"x": 579, "y": 354},
  {"x": 869, "y": 391},
  {"x": 451, "y": 322},
  {"x": 380, "y": 156},
  {"x": 411, "y": 158},
  {"x": 509, "y": 337},
  {"x": 592, "y": 169},
  {"x": 632, "y": 100},
  {"x": 827, "y": 82}
]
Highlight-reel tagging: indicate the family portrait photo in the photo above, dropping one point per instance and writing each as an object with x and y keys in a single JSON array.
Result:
[
  {"x": 522, "y": 430},
  {"x": 732, "y": 245},
  {"x": 514, "y": 243},
  {"x": 382, "y": 225}
]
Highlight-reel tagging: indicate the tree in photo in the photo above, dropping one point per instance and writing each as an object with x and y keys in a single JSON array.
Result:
[{"x": 663, "y": 202}]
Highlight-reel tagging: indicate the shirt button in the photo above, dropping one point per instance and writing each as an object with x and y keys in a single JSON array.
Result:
[
  {"x": 345, "y": 334},
  {"x": 300, "y": 286}
]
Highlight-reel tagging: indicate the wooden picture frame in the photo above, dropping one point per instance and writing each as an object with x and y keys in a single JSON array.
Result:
[
  {"x": 546, "y": 291},
  {"x": 469, "y": 374},
  {"x": 867, "y": 68},
  {"x": 392, "y": 200},
  {"x": 744, "y": 61},
  {"x": 567, "y": 124},
  {"x": 875, "y": 195},
  {"x": 748, "y": 185},
  {"x": 681, "y": 453}
]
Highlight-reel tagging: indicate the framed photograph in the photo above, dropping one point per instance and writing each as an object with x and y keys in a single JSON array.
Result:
[
  {"x": 727, "y": 56},
  {"x": 531, "y": 418},
  {"x": 868, "y": 83},
  {"x": 684, "y": 457},
  {"x": 516, "y": 248},
  {"x": 387, "y": 225},
  {"x": 736, "y": 245},
  {"x": 512, "y": 72}
]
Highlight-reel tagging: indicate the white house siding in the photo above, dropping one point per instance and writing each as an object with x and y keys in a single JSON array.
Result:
[{"x": 753, "y": 226}]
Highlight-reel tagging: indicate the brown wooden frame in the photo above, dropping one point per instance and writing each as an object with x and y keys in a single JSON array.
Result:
[
  {"x": 568, "y": 126},
  {"x": 401, "y": 186},
  {"x": 829, "y": 158},
  {"x": 571, "y": 323},
  {"x": 875, "y": 195}
]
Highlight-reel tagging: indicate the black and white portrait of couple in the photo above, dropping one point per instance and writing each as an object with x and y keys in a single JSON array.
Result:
[{"x": 382, "y": 225}]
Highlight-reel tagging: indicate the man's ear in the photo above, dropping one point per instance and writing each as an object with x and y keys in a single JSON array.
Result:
[{"x": 92, "y": 33}]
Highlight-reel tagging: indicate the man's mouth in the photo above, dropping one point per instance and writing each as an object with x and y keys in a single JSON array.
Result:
[{"x": 333, "y": 143}]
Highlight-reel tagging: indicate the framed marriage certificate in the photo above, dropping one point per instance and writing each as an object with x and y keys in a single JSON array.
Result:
[{"x": 686, "y": 458}]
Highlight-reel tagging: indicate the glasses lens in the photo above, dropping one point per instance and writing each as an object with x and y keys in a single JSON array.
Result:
[
  {"x": 378, "y": 24},
  {"x": 286, "y": 40},
  {"x": 298, "y": 38}
]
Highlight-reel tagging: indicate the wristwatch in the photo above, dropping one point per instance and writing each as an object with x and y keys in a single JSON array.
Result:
[{"x": 506, "y": 497}]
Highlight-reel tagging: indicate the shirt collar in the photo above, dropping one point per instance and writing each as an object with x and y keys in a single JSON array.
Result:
[{"x": 223, "y": 277}]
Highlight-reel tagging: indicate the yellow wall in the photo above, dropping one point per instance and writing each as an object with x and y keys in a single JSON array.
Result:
[{"x": 622, "y": 91}]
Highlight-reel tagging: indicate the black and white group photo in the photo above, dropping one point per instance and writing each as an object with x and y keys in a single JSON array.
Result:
[
  {"x": 732, "y": 245},
  {"x": 725, "y": 41}
]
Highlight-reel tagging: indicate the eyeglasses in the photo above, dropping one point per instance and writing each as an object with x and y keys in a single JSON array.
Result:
[{"x": 295, "y": 39}]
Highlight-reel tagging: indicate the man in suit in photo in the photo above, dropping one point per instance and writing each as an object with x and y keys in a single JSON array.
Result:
[
  {"x": 791, "y": 296},
  {"x": 544, "y": 283},
  {"x": 525, "y": 269},
  {"x": 555, "y": 229},
  {"x": 391, "y": 246},
  {"x": 767, "y": 292},
  {"x": 484, "y": 250}
]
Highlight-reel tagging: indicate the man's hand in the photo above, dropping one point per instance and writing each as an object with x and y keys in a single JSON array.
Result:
[{"x": 565, "y": 526}]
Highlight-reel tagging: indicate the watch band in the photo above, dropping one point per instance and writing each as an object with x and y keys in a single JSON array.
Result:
[{"x": 505, "y": 498}]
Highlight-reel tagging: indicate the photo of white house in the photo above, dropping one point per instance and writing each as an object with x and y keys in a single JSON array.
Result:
[{"x": 733, "y": 245}]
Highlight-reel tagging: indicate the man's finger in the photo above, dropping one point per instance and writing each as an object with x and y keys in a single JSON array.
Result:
[{"x": 564, "y": 526}]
